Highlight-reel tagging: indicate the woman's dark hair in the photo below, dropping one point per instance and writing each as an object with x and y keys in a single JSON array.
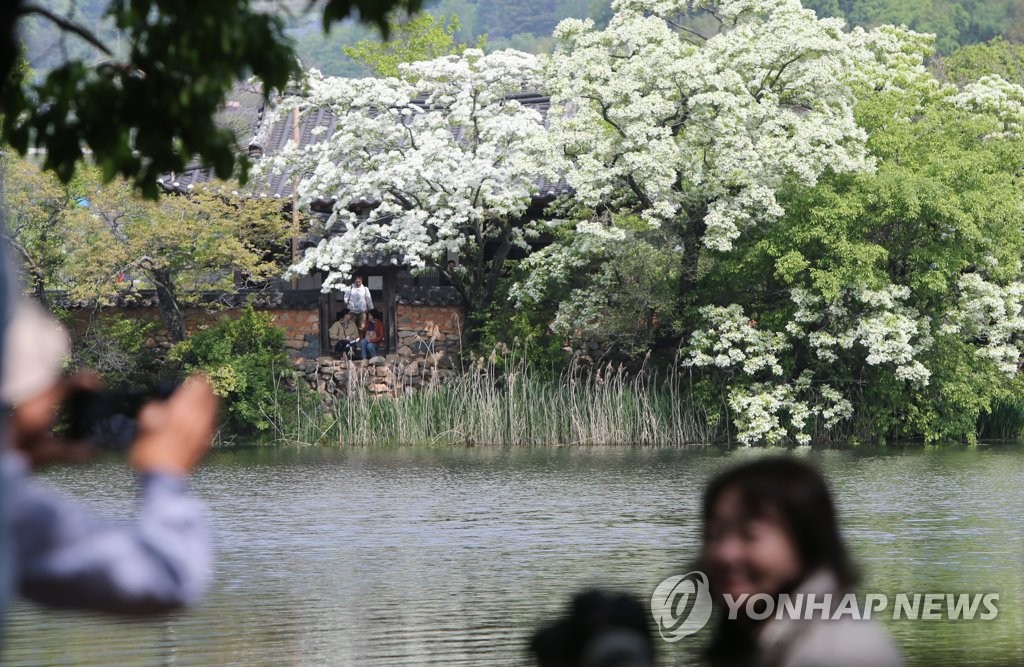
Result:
[
  {"x": 600, "y": 628},
  {"x": 794, "y": 492},
  {"x": 341, "y": 314}
]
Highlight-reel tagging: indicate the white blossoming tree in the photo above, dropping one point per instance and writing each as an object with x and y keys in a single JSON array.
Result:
[
  {"x": 699, "y": 132},
  {"x": 446, "y": 156},
  {"x": 894, "y": 296}
]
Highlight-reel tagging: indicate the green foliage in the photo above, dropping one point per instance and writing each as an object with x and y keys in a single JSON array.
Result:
[
  {"x": 997, "y": 57},
  {"x": 954, "y": 22},
  {"x": 244, "y": 359},
  {"x": 420, "y": 38},
  {"x": 620, "y": 294},
  {"x": 121, "y": 351},
  {"x": 151, "y": 110},
  {"x": 506, "y": 334},
  {"x": 944, "y": 200},
  {"x": 35, "y": 207},
  {"x": 179, "y": 246}
]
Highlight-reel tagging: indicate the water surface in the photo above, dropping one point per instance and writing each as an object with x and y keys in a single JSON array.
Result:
[{"x": 453, "y": 556}]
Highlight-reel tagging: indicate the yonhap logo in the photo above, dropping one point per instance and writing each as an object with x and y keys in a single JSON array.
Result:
[{"x": 681, "y": 605}]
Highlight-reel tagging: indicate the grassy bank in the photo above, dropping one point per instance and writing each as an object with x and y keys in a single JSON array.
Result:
[
  {"x": 516, "y": 404},
  {"x": 492, "y": 405}
]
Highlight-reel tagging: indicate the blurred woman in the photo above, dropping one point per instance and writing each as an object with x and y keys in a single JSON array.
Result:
[{"x": 770, "y": 527}]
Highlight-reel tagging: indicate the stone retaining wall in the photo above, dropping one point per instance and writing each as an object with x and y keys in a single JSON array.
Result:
[
  {"x": 423, "y": 330},
  {"x": 381, "y": 376}
]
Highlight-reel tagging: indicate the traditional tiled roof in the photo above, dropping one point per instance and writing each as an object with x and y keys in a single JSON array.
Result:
[
  {"x": 272, "y": 133},
  {"x": 273, "y": 298},
  {"x": 429, "y": 296},
  {"x": 379, "y": 259}
]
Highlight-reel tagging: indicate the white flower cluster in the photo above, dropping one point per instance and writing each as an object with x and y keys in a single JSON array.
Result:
[
  {"x": 648, "y": 113},
  {"x": 769, "y": 413},
  {"x": 766, "y": 408},
  {"x": 447, "y": 155},
  {"x": 734, "y": 341},
  {"x": 991, "y": 316},
  {"x": 998, "y": 97},
  {"x": 879, "y": 321},
  {"x": 559, "y": 262}
]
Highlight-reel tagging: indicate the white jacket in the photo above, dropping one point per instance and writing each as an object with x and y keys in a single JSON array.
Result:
[
  {"x": 359, "y": 299},
  {"x": 845, "y": 642}
]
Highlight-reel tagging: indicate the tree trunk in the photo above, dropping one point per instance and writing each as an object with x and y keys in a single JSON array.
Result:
[
  {"x": 39, "y": 289},
  {"x": 478, "y": 297},
  {"x": 693, "y": 230},
  {"x": 167, "y": 303}
]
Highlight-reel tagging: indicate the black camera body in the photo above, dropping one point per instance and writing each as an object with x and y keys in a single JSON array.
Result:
[{"x": 107, "y": 418}]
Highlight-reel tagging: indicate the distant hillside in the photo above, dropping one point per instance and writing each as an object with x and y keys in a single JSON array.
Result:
[{"x": 527, "y": 24}]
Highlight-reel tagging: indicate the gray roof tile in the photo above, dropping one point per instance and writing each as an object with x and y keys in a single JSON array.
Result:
[{"x": 273, "y": 133}]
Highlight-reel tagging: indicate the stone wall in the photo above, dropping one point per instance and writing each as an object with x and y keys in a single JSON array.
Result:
[
  {"x": 428, "y": 338},
  {"x": 301, "y": 331},
  {"x": 301, "y": 327},
  {"x": 423, "y": 330},
  {"x": 381, "y": 376}
]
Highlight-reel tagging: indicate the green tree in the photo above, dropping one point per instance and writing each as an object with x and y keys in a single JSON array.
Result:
[
  {"x": 422, "y": 37},
  {"x": 35, "y": 210},
  {"x": 180, "y": 246},
  {"x": 997, "y": 57},
  {"x": 954, "y": 22},
  {"x": 151, "y": 111},
  {"x": 936, "y": 232},
  {"x": 243, "y": 358}
]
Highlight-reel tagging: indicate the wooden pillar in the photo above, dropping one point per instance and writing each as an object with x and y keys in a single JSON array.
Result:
[
  {"x": 389, "y": 310},
  {"x": 295, "y": 202},
  {"x": 325, "y": 323}
]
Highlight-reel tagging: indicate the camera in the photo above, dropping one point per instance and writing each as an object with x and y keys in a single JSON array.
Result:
[{"x": 107, "y": 418}]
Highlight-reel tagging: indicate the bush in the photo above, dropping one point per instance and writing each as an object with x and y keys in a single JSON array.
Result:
[
  {"x": 117, "y": 349},
  {"x": 244, "y": 358}
]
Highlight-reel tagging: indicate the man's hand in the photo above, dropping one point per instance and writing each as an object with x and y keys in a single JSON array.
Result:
[
  {"x": 174, "y": 434},
  {"x": 33, "y": 419}
]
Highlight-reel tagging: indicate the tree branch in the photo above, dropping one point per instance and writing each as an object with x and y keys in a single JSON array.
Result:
[{"x": 65, "y": 25}]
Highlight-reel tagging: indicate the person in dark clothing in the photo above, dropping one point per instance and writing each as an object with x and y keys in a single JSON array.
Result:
[{"x": 601, "y": 629}]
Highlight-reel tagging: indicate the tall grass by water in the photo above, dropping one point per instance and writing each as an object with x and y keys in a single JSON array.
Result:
[{"x": 511, "y": 403}]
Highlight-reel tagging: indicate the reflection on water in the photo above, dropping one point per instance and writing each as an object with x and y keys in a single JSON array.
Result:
[{"x": 395, "y": 557}]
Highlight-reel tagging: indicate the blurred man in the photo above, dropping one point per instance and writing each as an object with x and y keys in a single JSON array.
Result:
[{"x": 59, "y": 553}]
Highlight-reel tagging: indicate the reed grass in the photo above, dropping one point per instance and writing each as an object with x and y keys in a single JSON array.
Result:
[
  {"x": 1004, "y": 423},
  {"x": 511, "y": 403}
]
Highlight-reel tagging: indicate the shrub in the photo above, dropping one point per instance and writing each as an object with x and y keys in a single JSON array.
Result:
[
  {"x": 118, "y": 350},
  {"x": 243, "y": 358}
]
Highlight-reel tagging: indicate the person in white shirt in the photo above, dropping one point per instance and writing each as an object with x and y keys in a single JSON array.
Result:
[{"x": 359, "y": 302}]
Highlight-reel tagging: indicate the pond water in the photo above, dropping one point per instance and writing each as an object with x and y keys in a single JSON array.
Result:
[{"x": 454, "y": 556}]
